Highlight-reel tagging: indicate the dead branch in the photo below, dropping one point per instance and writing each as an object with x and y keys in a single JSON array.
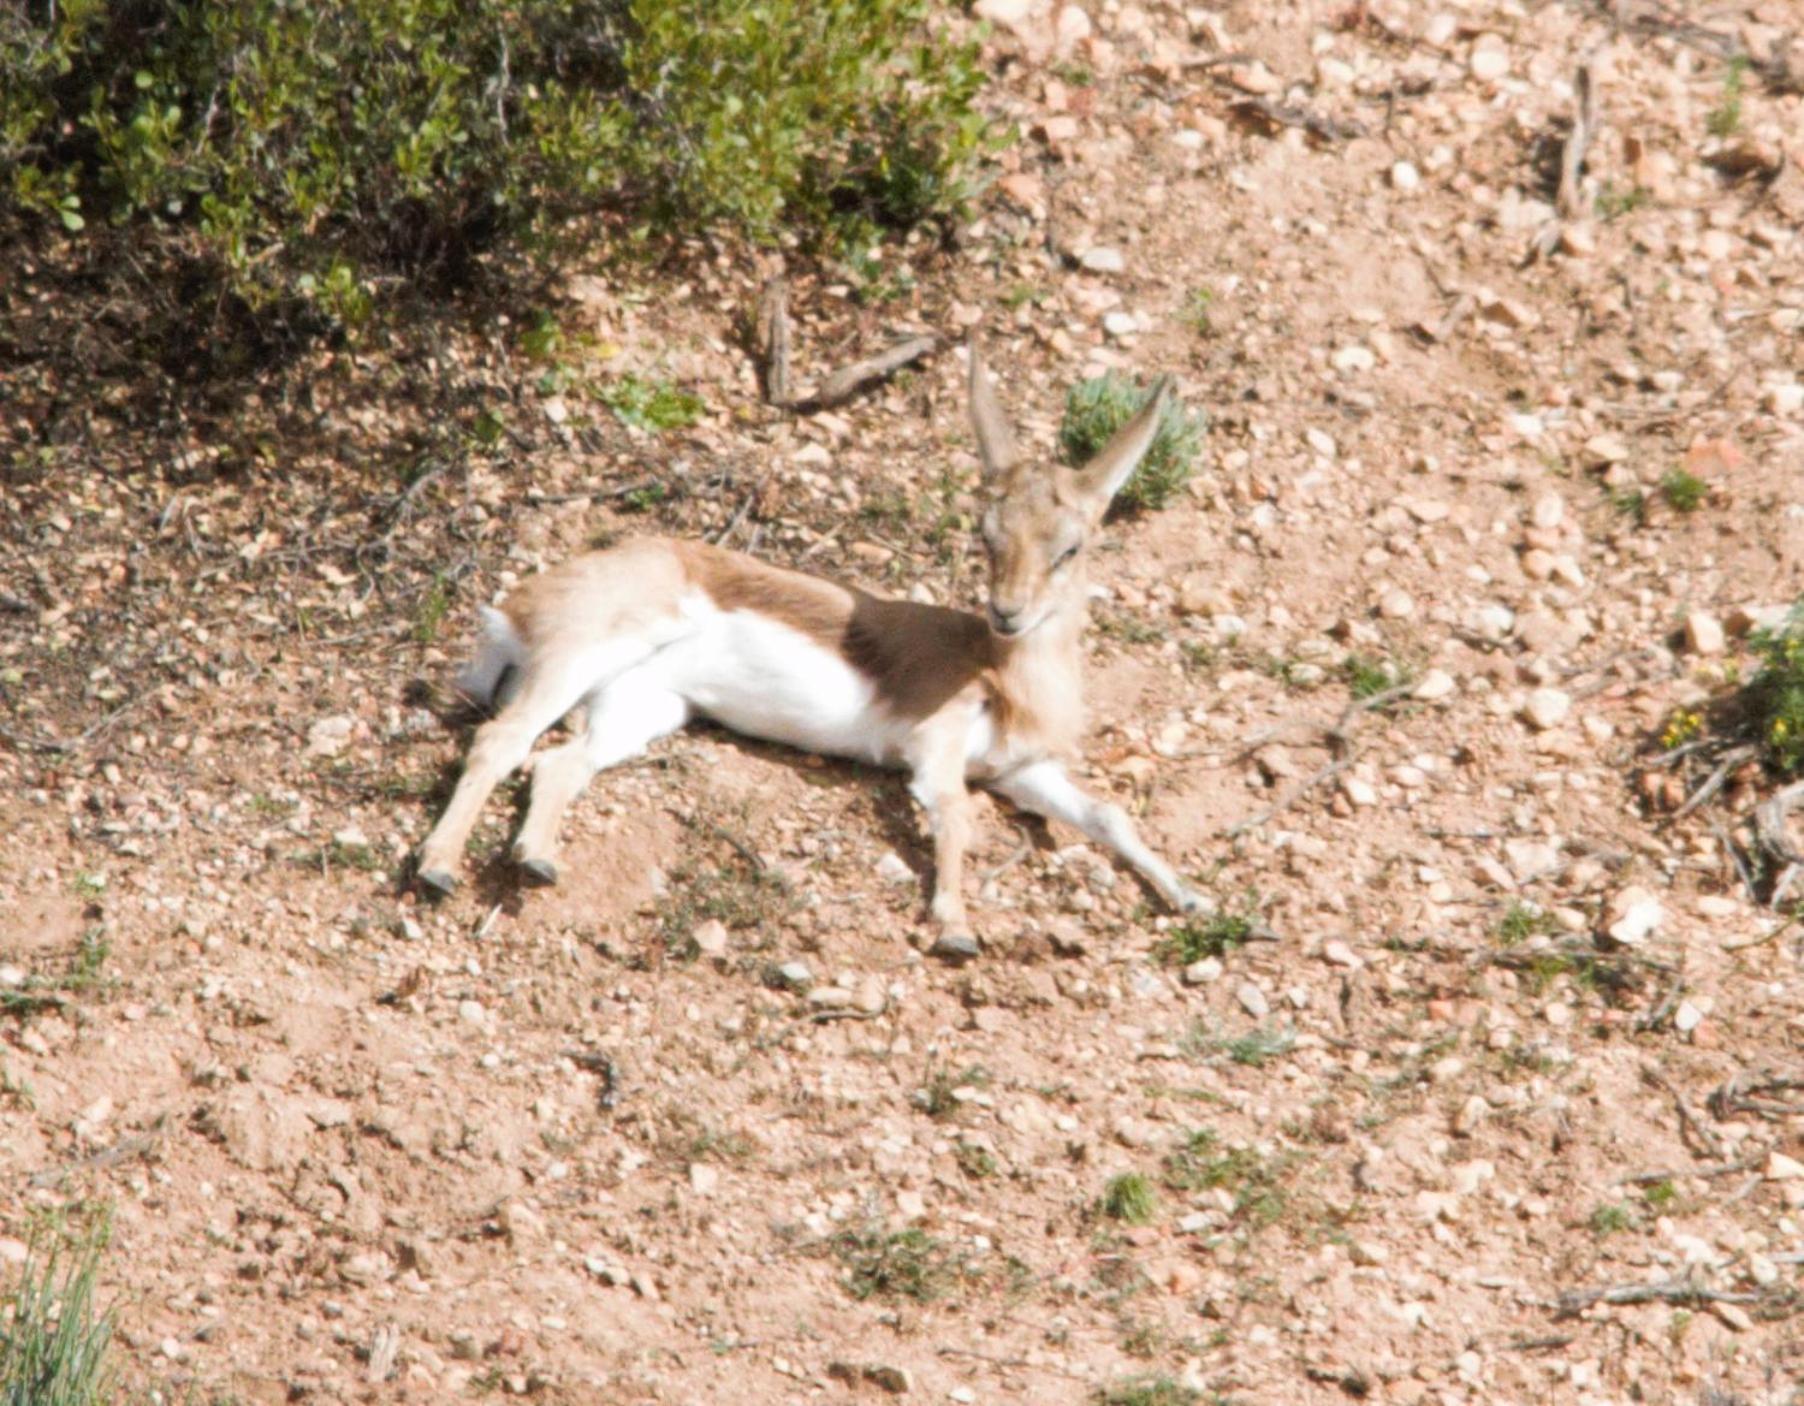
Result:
[
  {"x": 125, "y": 1150},
  {"x": 1741, "y": 1094},
  {"x": 1769, "y": 823},
  {"x": 848, "y": 381},
  {"x": 1691, "y": 1128},
  {"x": 772, "y": 336},
  {"x": 1707, "y": 1172},
  {"x": 1274, "y": 117},
  {"x": 1680, "y": 1291},
  {"x": 1713, "y": 783},
  {"x": 1569, "y": 199}
]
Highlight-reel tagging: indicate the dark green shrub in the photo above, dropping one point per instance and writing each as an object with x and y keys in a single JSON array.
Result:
[
  {"x": 1096, "y": 408},
  {"x": 1774, "y": 697},
  {"x": 295, "y": 152}
]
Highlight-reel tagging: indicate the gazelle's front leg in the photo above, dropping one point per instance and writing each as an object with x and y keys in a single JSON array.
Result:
[
  {"x": 1045, "y": 789},
  {"x": 938, "y": 783}
]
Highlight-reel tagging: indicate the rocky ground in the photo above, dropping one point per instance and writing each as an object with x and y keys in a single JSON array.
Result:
[{"x": 1477, "y": 1089}]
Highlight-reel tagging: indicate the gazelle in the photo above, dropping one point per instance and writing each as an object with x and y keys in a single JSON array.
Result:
[{"x": 653, "y": 632}]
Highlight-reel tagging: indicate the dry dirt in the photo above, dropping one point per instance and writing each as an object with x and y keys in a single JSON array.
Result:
[{"x": 523, "y": 1142}]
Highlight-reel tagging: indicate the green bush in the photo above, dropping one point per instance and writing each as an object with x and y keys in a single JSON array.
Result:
[
  {"x": 1774, "y": 698},
  {"x": 1096, "y": 408},
  {"x": 307, "y": 153}
]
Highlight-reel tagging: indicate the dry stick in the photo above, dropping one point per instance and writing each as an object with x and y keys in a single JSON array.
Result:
[
  {"x": 1769, "y": 823},
  {"x": 1733, "y": 850},
  {"x": 1713, "y": 783},
  {"x": 126, "y": 1149},
  {"x": 847, "y": 382},
  {"x": 1714, "y": 1169},
  {"x": 773, "y": 339},
  {"x": 1277, "y": 115},
  {"x": 1338, "y": 736},
  {"x": 1575, "y": 1301},
  {"x": 1734, "y": 1095},
  {"x": 1570, "y": 197},
  {"x": 1689, "y": 1123}
]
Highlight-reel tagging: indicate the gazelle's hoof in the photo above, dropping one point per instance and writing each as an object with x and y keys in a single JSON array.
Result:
[
  {"x": 954, "y": 947},
  {"x": 540, "y": 873},
  {"x": 436, "y": 883}
]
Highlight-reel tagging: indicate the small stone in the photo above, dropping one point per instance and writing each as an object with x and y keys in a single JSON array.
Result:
[
  {"x": 1547, "y": 708},
  {"x": 1202, "y": 971},
  {"x": 1404, "y": 176},
  {"x": 1548, "y": 512},
  {"x": 1252, "y": 1000},
  {"x": 1337, "y": 953},
  {"x": 1602, "y": 450},
  {"x": 471, "y": 1012},
  {"x": 710, "y": 938},
  {"x": 1471, "y": 1113},
  {"x": 1779, "y": 1167},
  {"x": 1120, "y": 324},
  {"x": 1489, "y": 59},
  {"x": 1633, "y": 915},
  {"x": 1704, "y": 633},
  {"x": 1783, "y": 398},
  {"x": 703, "y": 1179},
  {"x": 1687, "y": 1018},
  {"x": 329, "y": 736},
  {"x": 1103, "y": 259},
  {"x": 1320, "y": 441},
  {"x": 13, "y": 1251},
  {"x": 1360, "y": 793},
  {"x": 1529, "y": 859},
  {"x": 1255, "y": 78},
  {"x": 1353, "y": 359},
  {"x": 1714, "y": 905},
  {"x": 1436, "y": 683},
  {"x": 1396, "y": 604},
  {"x": 795, "y": 975},
  {"x": 829, "y": 997},
  {"x": 893, "y": 869},
  {"x": 1734, "y": 1315}
]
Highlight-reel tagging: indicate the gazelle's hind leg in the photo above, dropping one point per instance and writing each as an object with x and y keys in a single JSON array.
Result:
[
  {"x": 624, "y": 719},
  {"x": 502, "y": 744}
]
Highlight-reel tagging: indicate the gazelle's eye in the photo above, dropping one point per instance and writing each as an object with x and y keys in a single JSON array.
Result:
[{"x": 1065, "y": 557}]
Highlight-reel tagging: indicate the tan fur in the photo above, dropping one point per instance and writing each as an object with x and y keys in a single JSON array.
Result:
[{"x": 939, "y": 673}]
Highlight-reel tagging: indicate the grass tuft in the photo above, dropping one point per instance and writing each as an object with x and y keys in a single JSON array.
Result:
[
  {"x": 1097, "y": 408},
  {"x": 1130, "y": 1199},
  {"x": 902, "y": 1264},
  {"x": 1148, "y": 1391},
  {"x": 54, "y": 1345},
  {"x": 1684, "y": 492},
  {"x": 653, "y": 406}
]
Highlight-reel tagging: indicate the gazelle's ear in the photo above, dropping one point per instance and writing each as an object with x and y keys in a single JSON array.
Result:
[
  {"x": 995, "y": 440},
  {"x": 1114, "y": 464}
]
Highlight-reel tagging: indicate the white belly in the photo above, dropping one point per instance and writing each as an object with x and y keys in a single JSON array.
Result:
[{"x": 764, "y": 679}]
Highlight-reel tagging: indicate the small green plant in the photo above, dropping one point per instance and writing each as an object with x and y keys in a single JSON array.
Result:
[
  {"x": 1129, "y": 629},
  {"x": 1258, "y": 1183},
  {"x": 1610, "y": 1219},
  {"x": 654, "y": 406},
  {"x": 902, "y": 1264},
  {"x": 1613, "y": 204},
  {"x": 1725, "y": 118},
  {"x": 938, "y": 1097},
  {"x": 1660, "y": 1194},
  {"x": 1213, "y": 936},
  {"x": 1097, "y": 408},
  {"x": 1197, "y": 312},
  {"x": 1773, "y": 699},
  {"x": 1521, "y": 921},
  {"x": 54, "y": 1346},
  {"x": 976, "y": 1162},
  {"x": 1259, "y": 1047},
  {"x": 1130, "y": 1199},
  {"x": 89, "y": 886},
  {"x": 1148, "y": 1391},
  {"x": 434, "y": 605},
  {"x": 1684, "y": 492},
  {"x": 85, "y": 972},
  {"x": 1367, "y": 677},
  {"x": 1630, "y": 503}
]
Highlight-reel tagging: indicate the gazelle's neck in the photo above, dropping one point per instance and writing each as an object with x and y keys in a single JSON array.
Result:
[{"x": 1039, "y": 679}]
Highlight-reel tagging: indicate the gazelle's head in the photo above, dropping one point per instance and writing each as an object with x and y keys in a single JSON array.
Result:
[{"x": 1041, "y": 520}]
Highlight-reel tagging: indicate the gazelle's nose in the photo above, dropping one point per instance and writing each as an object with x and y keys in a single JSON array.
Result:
[{"x": 1005, "y": 619}]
